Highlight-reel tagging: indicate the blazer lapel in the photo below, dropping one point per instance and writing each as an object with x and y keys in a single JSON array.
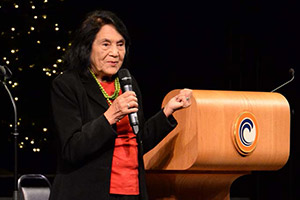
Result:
[{"x": 93, "y": 90}]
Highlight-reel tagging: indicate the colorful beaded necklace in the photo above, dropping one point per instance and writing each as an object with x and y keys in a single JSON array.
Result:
[{"x": 114, "y": 95}]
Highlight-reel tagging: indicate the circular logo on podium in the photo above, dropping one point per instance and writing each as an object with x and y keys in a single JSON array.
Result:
[{"x": 245, "y": 133}]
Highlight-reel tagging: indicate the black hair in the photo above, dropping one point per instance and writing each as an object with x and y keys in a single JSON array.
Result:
[{"x": 78, "y": 55}]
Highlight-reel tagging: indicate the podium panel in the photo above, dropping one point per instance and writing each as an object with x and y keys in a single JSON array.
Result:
[{"x": 222, "y": 133}]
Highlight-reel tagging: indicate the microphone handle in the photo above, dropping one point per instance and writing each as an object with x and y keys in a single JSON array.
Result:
[
  {"x": 127, "y": 88},
  {"x": 133, "y": 118},
  {"x": 134, "y": 122}
]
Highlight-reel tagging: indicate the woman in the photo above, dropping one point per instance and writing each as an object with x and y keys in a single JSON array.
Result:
[{"x": 99, "y": 155}]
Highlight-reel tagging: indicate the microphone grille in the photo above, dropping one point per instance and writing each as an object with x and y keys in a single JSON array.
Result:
[
  {"x": 125, "y": 77},
  {"x": 5, "y": 72},
  {"x": 2, "y": 70},
  {"x": 292, "y": 71}
]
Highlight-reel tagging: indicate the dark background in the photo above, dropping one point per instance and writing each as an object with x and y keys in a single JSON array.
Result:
[{"x": 217, "y": 45}]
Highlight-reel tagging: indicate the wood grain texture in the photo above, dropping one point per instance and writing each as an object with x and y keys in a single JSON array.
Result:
[
  {"x": 200, "y": 152},
  {"x": 175, "y": 185},
  {"x": 203, "y": 138}
]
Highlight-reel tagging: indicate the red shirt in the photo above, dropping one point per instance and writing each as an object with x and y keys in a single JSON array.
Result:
[{"x": 124, "y": 172}]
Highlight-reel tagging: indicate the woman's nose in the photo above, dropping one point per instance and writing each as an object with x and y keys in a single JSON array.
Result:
[{"x": 114, "y": 51}]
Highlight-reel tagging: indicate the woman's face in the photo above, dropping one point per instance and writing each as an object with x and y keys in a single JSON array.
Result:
[{"x": 108, "y": 51}]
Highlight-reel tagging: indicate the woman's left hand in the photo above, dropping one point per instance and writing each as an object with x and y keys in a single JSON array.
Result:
[{"x": 182, "y": 100}]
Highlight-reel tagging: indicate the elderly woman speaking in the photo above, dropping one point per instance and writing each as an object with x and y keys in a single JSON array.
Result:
[{"x": 100, "y": 156}]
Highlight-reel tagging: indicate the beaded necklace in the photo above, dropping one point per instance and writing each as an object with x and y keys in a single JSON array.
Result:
[{"x": 115, "y": 94}]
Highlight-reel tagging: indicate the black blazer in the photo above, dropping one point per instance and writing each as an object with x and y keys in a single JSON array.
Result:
[{"x": 86, "y": 139}]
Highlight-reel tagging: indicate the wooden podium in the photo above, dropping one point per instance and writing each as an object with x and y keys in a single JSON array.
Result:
[{"x": 220, "y": 137}]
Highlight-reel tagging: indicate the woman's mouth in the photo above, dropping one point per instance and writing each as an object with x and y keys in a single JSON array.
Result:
[{"x": 112, "y": 62}]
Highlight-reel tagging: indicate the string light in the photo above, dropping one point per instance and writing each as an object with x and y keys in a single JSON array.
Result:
[
  {"x": 34, "y": 28},
  {"x": 15, "y": 84},
  {"x": 36, "y": 150}
]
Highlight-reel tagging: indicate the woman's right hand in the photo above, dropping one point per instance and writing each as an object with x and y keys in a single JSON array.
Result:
[{"x": 123, "y": 105}]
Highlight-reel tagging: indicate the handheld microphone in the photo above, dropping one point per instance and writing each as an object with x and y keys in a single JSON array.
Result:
[
  {"x": 5, "y": 72},
  {"x": 126, "y": 83},
  {"x": 292, "y": 72}
]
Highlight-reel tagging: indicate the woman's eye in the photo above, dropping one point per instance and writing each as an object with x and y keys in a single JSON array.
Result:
[{"x": 121, "y": 46}]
